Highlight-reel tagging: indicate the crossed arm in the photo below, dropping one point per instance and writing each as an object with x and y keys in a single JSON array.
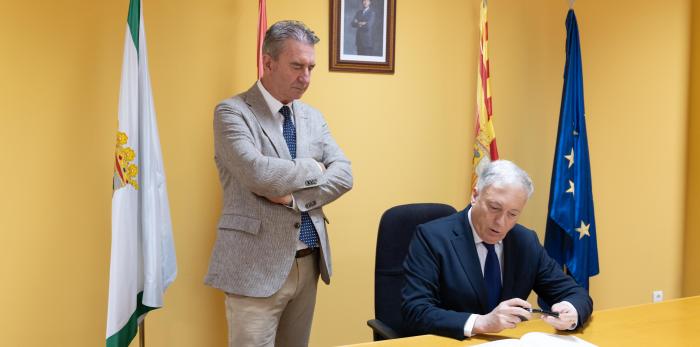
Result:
[{"x": 312, "y": 183}]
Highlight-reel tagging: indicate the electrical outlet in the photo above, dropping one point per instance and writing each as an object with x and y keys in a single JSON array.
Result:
[{"x": 658, "y": 296}]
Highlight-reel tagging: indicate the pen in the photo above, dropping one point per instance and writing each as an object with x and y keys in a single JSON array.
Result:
[{"x": 541, "y": 311}]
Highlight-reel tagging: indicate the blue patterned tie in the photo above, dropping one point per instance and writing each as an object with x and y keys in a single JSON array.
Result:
[
  {"x": 308, "y": 233},
  {"x": 492, "y": 276}
]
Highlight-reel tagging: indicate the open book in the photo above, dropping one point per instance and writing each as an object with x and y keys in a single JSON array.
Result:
[{"x": 541, "y": 340}]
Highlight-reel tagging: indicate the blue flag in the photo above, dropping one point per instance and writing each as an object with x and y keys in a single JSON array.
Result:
[{"x": 570, "y": 238}]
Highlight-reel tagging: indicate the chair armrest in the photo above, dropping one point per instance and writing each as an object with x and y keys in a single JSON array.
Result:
[{"x": 382, "y": 329}]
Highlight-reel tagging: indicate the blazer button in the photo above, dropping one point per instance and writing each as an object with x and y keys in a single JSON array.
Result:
[
  {"x": 297, "y": 225},
  {"x": 310, "y": 182}
]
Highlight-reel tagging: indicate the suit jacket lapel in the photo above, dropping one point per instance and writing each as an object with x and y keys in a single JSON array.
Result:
[
  {"x": 258, "y": 106},
  {"x": 465, "y": 249},
  {"x": 509, "y": 256},
  {"x": 300, "y": 122}
]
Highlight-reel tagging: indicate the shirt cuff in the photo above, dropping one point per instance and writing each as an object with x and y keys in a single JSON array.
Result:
[
  {"x": 573, "y": 326},
  {"x": 469, "y": 325},
  {"x": 293, "y": 204}
]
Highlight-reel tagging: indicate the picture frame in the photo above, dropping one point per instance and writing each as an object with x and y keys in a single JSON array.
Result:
[{"x": 362, "y": 35}]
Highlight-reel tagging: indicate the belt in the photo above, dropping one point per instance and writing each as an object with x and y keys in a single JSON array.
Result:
[{"x": 306, "y": 251}]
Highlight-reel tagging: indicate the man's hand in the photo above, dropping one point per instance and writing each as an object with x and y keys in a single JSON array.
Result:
[
  {"x": 506, "y": 315},
  {"x": 282, "y": 200},
  {"x": 568, "y": 317}
]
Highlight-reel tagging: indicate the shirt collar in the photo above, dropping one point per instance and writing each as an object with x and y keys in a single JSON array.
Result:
[
  {"x": 477, "y": 239},
  {"x": 270, "y": 100}
]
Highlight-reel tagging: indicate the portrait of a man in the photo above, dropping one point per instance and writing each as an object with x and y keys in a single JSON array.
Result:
[
  {"x": 364, "y": 23},
  {"x": 364, "y": 27},
  {"x": 362, "y": 35}
]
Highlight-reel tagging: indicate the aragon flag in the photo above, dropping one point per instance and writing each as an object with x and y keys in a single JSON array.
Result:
[
  {"x": 485, "y": 149},
  {"x": 262, "y": 27},
  {"x": 143, "y": 253}
]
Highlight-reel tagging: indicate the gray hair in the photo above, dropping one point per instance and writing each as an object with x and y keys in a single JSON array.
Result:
[
  {"x": 504, "y": 173},
  {"x": 283, "y": 30}
]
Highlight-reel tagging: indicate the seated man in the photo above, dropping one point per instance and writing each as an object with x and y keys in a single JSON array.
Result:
[{"x": 470, "y": 273}]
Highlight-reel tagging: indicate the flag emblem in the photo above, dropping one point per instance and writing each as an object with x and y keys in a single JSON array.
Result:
[{"x": 125, "y": 171}]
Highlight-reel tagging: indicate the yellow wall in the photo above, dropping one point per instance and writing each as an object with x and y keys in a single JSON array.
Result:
[
  {"x": 691, "y": 259},
  {"x": 409, "y": 141},
  {"x": 635, "y": 65}
]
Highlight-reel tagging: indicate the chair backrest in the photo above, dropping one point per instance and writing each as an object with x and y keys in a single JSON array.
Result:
[{"x": 396, "y": 229}]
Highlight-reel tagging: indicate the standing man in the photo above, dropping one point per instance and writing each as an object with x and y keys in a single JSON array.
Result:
[
  {"x": 364, "y": 22},
  {"x": 278, "y": 165},
  {"x": 471, "y": 272}
]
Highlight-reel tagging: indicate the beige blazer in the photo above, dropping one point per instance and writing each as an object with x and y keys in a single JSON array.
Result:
[{"x": 256, "y": 239}]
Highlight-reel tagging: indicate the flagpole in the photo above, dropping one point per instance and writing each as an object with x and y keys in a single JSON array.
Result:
[{"x": 142, "y": 333}]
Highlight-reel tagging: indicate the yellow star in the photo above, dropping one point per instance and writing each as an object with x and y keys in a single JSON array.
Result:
[
  {"x": 571, "y": 187},
  {"x": 570, "y": 157},
  {"x": 583, "y": 230}
]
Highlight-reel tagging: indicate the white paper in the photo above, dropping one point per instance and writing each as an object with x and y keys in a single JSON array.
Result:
[{"x": 536, "y": 339}]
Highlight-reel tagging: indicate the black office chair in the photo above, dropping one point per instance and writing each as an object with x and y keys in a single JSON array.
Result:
[{"x": 396, "y": 229}]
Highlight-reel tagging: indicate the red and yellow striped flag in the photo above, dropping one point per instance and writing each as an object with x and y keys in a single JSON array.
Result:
[
  {"x": 262, "y": 27},
  {"x": 485, "y": 149}
]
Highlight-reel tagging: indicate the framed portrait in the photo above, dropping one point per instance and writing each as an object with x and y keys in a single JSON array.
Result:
[{"x": 362, "y": 35}]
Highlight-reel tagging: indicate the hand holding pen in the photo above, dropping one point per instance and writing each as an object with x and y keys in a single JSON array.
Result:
[{"x": 505, "y": 316}]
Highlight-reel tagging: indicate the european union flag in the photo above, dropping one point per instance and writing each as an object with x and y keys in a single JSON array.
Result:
[{"x": 570, "y": 238}]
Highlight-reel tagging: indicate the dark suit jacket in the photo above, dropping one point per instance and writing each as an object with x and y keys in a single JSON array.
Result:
[
  {"x": 363, "y": 38},
  {"x": 444, "y": 283}
]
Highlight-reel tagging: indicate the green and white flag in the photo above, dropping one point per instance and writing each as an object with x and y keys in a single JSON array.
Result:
[{"x": 143, "y": 253}]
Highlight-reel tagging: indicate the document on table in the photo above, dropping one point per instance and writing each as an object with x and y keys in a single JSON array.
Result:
[{"x": 536, "y": 339}]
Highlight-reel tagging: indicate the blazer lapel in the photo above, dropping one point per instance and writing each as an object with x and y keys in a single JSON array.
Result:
[
  {"x": 300, "y": 122},
  {"x": 509, "y": 256},
  {"x": 258, "y": 106},
  {"x": 465, "y": 249}
]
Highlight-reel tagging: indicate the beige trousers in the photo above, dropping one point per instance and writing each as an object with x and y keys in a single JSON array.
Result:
[{"x": 283, "y": 319}]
